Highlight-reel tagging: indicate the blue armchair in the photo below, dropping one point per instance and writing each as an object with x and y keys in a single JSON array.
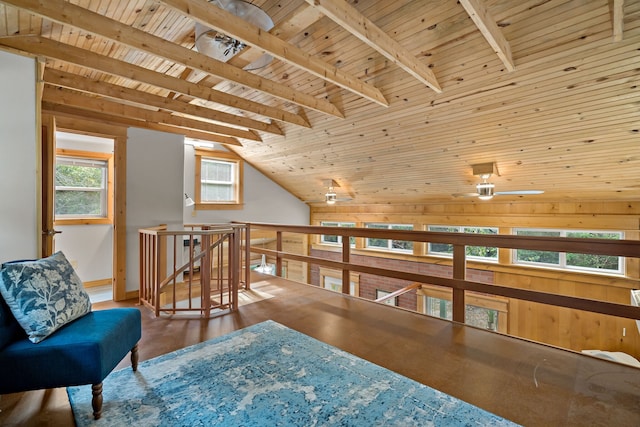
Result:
[{"x": 81, "y": 349}]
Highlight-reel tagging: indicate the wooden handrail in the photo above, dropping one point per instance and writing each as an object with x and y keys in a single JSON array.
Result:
[
  {"x": 459, "y": 284},
  {"x": 399, "y": 292},
  {"x": 220, "y": 272}
]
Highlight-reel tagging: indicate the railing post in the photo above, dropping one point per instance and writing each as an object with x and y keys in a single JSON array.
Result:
[
  {"x": 346, "y": 274},
  {"x": 205, "y": 275},
  {"x": 234, "y": 259},
  {"x": 278, "y": 257},
  {"x": 247, "y": 257},
  {"x": 459, "y": 272}
]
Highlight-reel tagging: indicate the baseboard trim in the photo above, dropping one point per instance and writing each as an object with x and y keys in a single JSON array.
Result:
[{"x": 95, "y": 283}]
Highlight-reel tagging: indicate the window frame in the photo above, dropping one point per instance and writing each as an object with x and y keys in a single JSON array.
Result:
[
  {"x": 238, "y": 187},
  {"x": 562, "y": 256},
  {"x": 352, "y": 241},
  {"x": 107, "y": 217},
  {"x": 461, "y": 229},
  {"x": 389, "y": 247}
]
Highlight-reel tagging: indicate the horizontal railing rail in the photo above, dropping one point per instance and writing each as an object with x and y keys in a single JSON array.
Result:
[
  {"x": 459, "y": 241},
  {"x": 214, "y": 250}
]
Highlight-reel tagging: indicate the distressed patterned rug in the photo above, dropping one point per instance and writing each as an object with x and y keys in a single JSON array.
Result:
[{"x": 269, "y": 375}]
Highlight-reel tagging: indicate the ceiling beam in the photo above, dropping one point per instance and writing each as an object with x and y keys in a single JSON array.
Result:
[
  {"x": 85, "y": 102},
  {"x": 83, "y": 58},
  {"x": 490, "y": 30},
  {"x": 112, "y": 119},
  {"x": 364, "y": 29},
  {"x": 287, "y": 28},
  {"x": 64, "y": 12},
  {"x": 74, "y": 81},
  {"x": 229, "y": 24},
  {"x": 617, "y": 16}
]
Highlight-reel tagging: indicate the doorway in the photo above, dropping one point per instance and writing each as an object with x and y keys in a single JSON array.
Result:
[{"x": 83, "y": 208}]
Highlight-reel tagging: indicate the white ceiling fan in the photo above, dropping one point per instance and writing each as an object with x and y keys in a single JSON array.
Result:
[
  {"x": 485, "y": 190},
  {"x": 330, "y": 197}
]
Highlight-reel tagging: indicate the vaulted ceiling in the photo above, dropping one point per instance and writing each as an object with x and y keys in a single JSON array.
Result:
[{"x": 395, "y": 100}]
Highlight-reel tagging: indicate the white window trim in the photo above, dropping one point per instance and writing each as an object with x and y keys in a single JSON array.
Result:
[
  {"x": 461, "y": 230},
  {"x": 562, "y": 259},
  {"x": 389, "y": 247},
  {"x": 338, "y": 224}
]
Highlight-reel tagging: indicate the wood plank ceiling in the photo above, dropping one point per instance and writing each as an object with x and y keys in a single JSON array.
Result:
[{"x": 392, "y": 99}]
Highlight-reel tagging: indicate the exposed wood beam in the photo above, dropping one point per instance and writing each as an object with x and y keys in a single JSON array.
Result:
[
  {"x": 111, "y": 119},
  {"x": 43, "y": 46},
  {"x": 290, "y": 26},
  {"x": 617, "y": 16},
  {"x": 490, "y": 30},
  {"x": 91, "y": 103},
  {"x": 360, "y": 26},
  {"x": 229, "y": 24},
  {"x": 66, "y": 13},
  {"x": 74, "y": 81}
]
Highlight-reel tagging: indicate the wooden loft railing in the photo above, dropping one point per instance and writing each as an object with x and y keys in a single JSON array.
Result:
[
  {"x": 196, "y": 270},
  {"x": 458, "y": 284}
]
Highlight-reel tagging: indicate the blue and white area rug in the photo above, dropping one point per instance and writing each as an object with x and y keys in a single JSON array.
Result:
[{"x": 269, "y": 375}]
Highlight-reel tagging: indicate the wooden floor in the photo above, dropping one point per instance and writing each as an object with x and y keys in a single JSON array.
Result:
[{"x": 531, "y": 384}]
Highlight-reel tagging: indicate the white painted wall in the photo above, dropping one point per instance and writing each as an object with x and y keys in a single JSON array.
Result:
[
  {"x": 264, "y": 200},
  {"x": 19, "y": 156},
  {"x": 155, "y": 171},
  {"x": 89, "y": 248}
]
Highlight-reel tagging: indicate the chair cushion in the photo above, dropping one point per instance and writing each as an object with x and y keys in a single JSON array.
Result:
[
  {"x": 84, "y": 351},
  {"x": 9, "y": 328},
  {"x": 43, "y": 295}
]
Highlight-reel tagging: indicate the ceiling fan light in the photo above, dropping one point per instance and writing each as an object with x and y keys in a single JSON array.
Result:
[
  {"x": 222, "y": 47},
  {"x": 485, "y": 190},
  {"x": 330, "y": 198}
]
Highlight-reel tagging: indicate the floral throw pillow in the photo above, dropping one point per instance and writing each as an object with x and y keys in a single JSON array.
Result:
[{"x": 43, "y": 295}]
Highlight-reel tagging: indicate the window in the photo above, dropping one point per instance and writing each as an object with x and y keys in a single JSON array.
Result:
[
  {"x": 485, "y": 253},
  {"x": 82, "y": 187},
  {"x": 218, "y": 180},
  {"x": 332, "y": 280},
  {"x": 337, "y": 240},
  {"x": 481, "y": 310},
  {"x": 571, "y": 261},
  {"x": 480, "y": 317},
  {"x": 390, "y": 244},
  {"x": 389, "y": 301}
]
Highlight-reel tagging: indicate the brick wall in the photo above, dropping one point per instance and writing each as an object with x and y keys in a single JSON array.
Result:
[{"x": 370, "y": 283}]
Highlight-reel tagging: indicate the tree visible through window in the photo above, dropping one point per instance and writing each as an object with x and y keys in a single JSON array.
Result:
[
  {"x": 80, "y": 187},
  {"x": 572, "y": 261},
  {"x": 472, "y": 252},
  {"x": 390, "y": 244}
]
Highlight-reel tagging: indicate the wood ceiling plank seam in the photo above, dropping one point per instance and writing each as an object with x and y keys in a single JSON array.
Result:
[
  {"x": 524, "y": 100},
  {"x": 543, "y": 82},
  {"x": 585, "y": 133},
  {"x": 140, "y": 74},
  {"x": 559, "y": 35},
  {"x": 526, "y": 69},
  {"x": 231, "y": 25},
  {"x": 554, "y": 19}
]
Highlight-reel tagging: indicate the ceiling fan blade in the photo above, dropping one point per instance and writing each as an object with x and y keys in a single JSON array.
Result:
[
  {"x": 465, "y": 194},
  {"x": 498, "y": 193}
]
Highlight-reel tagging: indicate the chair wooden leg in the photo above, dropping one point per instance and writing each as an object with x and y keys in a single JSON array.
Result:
[
  {"x": 134, "y": 357},
  {"x": 96, "y": 401}
]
